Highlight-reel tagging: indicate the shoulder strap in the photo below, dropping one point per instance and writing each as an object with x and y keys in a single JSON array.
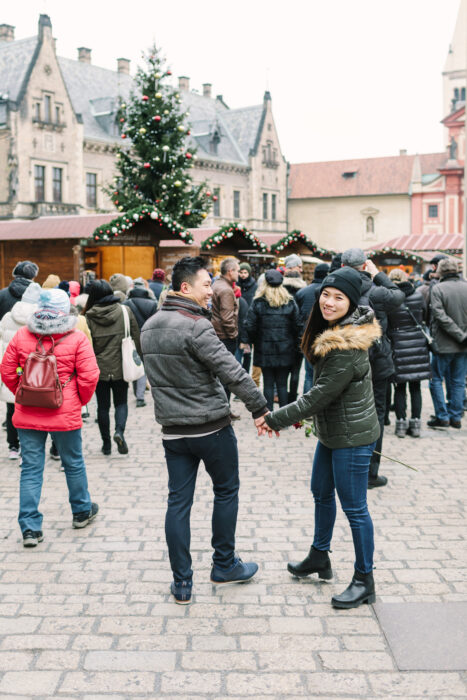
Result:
[
  {"x": 126, "y": 320},
  {"x": 418, "y": 325}
]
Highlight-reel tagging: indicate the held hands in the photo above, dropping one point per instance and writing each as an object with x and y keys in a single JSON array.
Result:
[
  {"x": 245, "y": 347},
  {"x": 263, "y": 428}
]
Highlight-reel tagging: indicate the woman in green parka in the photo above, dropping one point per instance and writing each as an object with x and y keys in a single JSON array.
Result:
[{"x": 336, "y": 341}]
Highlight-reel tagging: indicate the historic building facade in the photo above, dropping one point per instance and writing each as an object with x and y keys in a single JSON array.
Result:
[
  {"x": 368, "y": 202},
  {"x": 58, "y": 133}
]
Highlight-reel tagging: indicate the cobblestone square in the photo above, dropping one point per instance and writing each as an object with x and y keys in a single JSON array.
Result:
[{"x": 87, "y": 614}]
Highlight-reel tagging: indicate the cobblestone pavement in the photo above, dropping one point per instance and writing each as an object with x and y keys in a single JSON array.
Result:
[{"x": 87, "y": 614}]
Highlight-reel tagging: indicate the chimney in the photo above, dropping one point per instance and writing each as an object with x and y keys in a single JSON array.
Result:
[
  {"x": 123, "y": 65},
  {"x": 183, "y": 82},
  {"x": 45, "y": 27},
  {"x": 84, "y": 55},
  {"x": 207, "y": 89},
  {"x": 402, "y": 151},
  {"x": 7, "y": 32}
]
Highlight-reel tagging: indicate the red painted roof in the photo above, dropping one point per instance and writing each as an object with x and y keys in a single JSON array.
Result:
[
  {"x": 425, "y": 241},
  {"x": 52, "y": 227},
  {"x": 389, "y": 175}
]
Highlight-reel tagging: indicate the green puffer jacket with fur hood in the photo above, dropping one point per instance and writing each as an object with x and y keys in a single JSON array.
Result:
[{"x": 341, "y": 399}]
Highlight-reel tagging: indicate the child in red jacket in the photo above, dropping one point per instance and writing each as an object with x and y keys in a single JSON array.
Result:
[{"x": 78, "y": 373}]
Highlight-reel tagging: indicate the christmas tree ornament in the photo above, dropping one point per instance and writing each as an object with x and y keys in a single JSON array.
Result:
[
  {"x": 177, "y": 183},
  {"x": 181, "y": 128},
  {"x": 188, "y": 155},
  {"x": 166, "y": 148},
  {"x": 187, "y": 212},
  {"x": 158, "y": 95},
  {"x": 122, "y": 120},
  {"x": 123, "y": 136},
  {"x": 145, "y": 98},
  {"x": 123, "y": 106},
  {"x": 142, "y": 131},
  {"x": 203, "y": 215},
  {"x": 157, "y": 118},
  {"x": 147, "y": 165},
  {"x": 157, "y": 75},
  {"x": 166, "y": 111}
]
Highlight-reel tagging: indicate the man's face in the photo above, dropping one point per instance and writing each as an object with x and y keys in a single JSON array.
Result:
[
  {"x": 243, "y": 274},
  {"x": 199, "y": 288},
  {"x": 232, "y": 274}
]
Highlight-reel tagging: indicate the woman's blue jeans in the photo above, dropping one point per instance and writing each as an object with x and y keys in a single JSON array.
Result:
[
  {"x": 68, "y": 443},
  {"x": 344, "y": 470}
]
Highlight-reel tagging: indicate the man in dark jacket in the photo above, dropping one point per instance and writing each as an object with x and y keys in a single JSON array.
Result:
[
  {"x": 449, "y": 331},
  {"x": 246, "y": 282},
  {"x": 383, "y": 296},
  {"x": 187, "y": 364},
  {"x": 23, "y": 274},
  {"x": 305, "y": 299},
  {"x": 225, "y": 309},
  {"x": 141, "y": 301}
]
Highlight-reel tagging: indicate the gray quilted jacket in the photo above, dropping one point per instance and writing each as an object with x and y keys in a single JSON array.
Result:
[{"x": 186, "y": 362}]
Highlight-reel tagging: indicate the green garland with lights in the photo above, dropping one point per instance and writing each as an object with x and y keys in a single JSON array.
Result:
[
  {"x": 397, "y": 252},
  {"x": 227, "y": 231},
  {"x": 126, "y": 221},
  {"x": 297, "y": 236}
]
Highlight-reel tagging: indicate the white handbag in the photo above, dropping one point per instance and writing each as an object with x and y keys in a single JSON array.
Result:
[{"x": 132, "y": 364}]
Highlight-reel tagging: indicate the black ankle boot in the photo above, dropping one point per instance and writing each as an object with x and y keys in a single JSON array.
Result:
[
  {"x": 361, "y": 590},
  {"x": 317, "y": 562}
]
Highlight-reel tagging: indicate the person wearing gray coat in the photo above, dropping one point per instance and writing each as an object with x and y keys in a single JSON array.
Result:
[
  {"x": 187, "y": 365},
  {"x": 449, "y": 330}
]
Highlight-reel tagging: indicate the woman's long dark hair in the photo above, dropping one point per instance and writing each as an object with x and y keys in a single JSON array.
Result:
[
  {"x": 316, "y": 324},
  {"x": 97, "y": 290}
]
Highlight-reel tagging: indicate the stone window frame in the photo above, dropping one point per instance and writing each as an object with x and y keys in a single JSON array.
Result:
[
  {"x": 39, "y": 167},
  {"x": 236, "y": 200},
  {"x": 94, "y": 187},
  {"x": 57, "y": 184},
  {"x": 265, "y": 206},
  {"x": 216, "y": 207},
  {"x": 274, "y": 206}
]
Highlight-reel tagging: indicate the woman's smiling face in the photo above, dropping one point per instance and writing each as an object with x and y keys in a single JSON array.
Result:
[{"x": 334, "y": 304}]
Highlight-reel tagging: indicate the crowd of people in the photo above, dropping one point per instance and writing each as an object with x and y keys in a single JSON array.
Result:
[{"x": 365, "y": 337}]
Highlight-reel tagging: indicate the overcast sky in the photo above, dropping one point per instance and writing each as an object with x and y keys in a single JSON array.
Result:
[{"x": 348, "y": 78}]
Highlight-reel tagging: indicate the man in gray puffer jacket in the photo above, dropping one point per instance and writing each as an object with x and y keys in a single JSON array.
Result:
[{"x": 186, "y": 365}]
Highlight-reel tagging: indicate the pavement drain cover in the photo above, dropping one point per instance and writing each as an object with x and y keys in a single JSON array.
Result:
[{"x": 426, "y": 636}]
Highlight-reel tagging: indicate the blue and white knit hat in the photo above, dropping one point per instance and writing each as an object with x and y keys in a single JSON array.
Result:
[{"x": 55, "y": 300}]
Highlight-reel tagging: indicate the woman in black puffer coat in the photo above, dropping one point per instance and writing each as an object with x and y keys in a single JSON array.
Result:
[
  {"x": 410, "y": 353},
  {"x": 273, "y": 327}
]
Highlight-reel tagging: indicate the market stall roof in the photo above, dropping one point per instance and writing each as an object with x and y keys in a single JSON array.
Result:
[
  {"x": 425, "y": 241},
  {"x": 231, "y": 239},
  {"x": 298, "y": 242},
  {"x": 47, "y": 227}
]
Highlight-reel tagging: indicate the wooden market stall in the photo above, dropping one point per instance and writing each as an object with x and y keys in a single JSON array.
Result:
[
  {"x": 297, "y": 242},
  {"x": 234, "y": 240}
]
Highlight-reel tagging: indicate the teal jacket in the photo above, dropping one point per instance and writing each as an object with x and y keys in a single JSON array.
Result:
[{"x": 341, "y": 400}]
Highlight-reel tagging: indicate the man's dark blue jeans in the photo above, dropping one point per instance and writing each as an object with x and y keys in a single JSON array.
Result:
[
  {"x": 344, "y": 470},
  {"x": 219, "y": 453},
  {"x": 451, "y": 367}
]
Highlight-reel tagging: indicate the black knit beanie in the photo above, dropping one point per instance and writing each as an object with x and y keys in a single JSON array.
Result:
[{"x": 348, "y": 281}]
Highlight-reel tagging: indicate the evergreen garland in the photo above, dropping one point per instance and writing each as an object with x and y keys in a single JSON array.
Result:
[
  {"x": 228, "y": 231},
  {"x": 126, "y": 221}
]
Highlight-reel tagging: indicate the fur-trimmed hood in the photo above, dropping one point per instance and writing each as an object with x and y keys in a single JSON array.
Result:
[
  {"x": 294, "y": 281},
  {"x": 358, "y": 332},
  {"x": 57, "y": 325}
]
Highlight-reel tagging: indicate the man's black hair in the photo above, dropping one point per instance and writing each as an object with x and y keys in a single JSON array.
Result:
[{"x": 186, "y": 269}]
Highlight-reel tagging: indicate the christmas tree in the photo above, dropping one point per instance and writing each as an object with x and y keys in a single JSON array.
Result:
[{"x": 154, "y": 161}]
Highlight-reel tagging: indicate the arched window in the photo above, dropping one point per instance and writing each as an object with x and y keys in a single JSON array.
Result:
[{"x": 370, "y": 224}]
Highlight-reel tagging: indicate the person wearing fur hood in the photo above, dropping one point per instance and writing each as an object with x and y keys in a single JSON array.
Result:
[
  {"x": 11, "y": 322},
  {"x": 337, "y": 338},
  {"x": 78, "y": 373}
]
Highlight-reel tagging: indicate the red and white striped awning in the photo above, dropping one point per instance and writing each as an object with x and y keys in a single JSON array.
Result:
[{"x": 425, "y": 241}]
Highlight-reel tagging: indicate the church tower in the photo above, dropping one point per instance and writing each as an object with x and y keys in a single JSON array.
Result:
[{"x": 455, "y": 73}]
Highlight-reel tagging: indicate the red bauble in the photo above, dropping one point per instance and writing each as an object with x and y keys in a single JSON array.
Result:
[
  {"x": 187, "y": 213},
  {"x": 188, "y": 155},
  {"x": 157, "y": 118},
  {"x": 115, "y": 234},
  {"x": 147, "y": 165},
  {"x": 145, "y": 98},
  {"x": 123, "y": 136},
  {"x": 136, "y": 187},
  {"x": 208, "y": 194},
  {"x": 122, "y": 120},
  {"x": 214, "y": 198},
  {"x": 169, "y": 72},
  {"x": 157, "y": 201},
  {"x": 188, "y": 133},
  {"x": 96, "y": 238}
]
